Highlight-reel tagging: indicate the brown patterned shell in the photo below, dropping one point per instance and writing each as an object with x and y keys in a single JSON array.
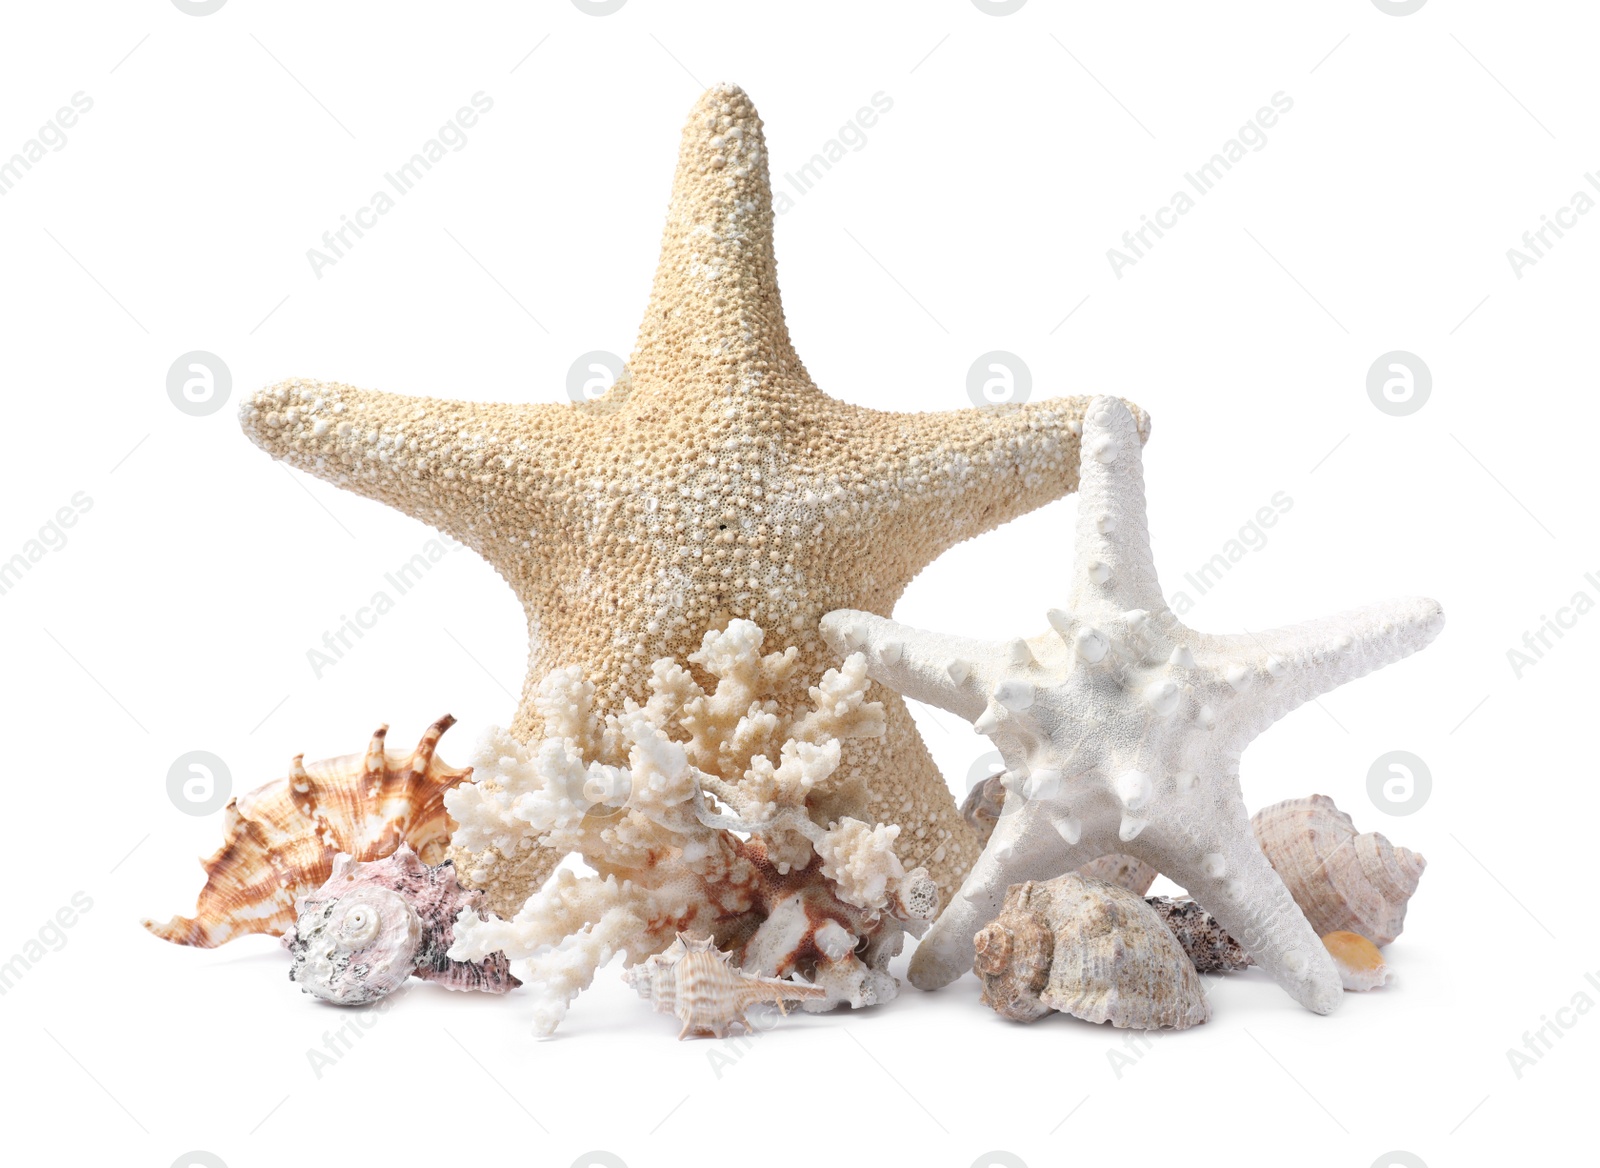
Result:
[
  {"x": 1106, "y": 956},
  {"x": 279, "y": 840},
  {"x": 1205, "y": 941},
  {"x": 1343, "y": 880},
  {"x": 1012, "y": 959}
]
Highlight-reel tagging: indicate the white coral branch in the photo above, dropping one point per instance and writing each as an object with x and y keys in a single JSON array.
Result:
[
  {"x": 861, "y": 861},
  {"x": 696, "y": 811},
  {"x": 840, "y": 706},
  {"x": 558, "y": 941}
]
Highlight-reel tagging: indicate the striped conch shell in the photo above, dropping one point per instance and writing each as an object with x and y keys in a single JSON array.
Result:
[
  {"x": 1343, "y": 880},
  {"x": 1091, "y": 949},
  {"x": 708, "y": 993},
  {"x": 279, "y": 840}
]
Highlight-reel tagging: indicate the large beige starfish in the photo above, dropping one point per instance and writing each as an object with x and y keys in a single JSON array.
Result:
[{"x": 713, "y": 481}]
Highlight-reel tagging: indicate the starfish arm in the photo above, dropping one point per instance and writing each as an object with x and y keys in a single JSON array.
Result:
[
  {"x": 446, "y": 463},
  {"x": 1025, "y": 846},
  {"x": 1112, "y": 568},
  {"x": 1231, "y": 879},
  {"x": 949, "y": 672},
  {"x": 968, "y": 471},
  {"x": 1280, "y": 669}
]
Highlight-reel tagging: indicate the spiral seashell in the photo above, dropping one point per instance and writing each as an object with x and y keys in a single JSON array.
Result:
[
  {"x": 1012, "y": 960},
  {"x": 1343, "y": 880},
  {"x": 356, "y": 947},
  {"x": 280, "y": 840},
  {"x": 1109, "y": 958},
  {"x": 373, "y": 925},
  {"x": 702, "y": 986}
]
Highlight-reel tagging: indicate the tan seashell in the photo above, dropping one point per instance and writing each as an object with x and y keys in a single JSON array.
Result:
[
  {"x": 703, "y": 987},
  {"x": 1341, "y": 879},
  {"x": 1361, "y": 966},
  {"x": 1108, "y": 957},
  {"x": 280, "y": 839},
  {"x": 1012, "y": 958}
]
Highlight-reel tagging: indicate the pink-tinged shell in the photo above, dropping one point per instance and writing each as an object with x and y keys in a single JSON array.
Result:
[
  {"x": 1123, "y": 871},
  {"x": 707, "y": 992},
  {"x": 356, "y": 945},
  {"x": 280, "y": 840},
  {"x": 374, "y": 924},
  {"x": 983, "y": 805},
  {"x": 1361, "y": 965},
  {"x": 1343, "y": 880},
  {"x": 1107, "y": 956}
]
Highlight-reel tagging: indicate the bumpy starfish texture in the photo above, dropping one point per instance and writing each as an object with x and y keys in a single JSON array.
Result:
[
  {"x": 1121, "y": 729},
  {"x": 713, "y": 481}
]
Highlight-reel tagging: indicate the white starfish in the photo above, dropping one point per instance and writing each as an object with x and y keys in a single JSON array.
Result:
[{"x": 1122, "y": 729}]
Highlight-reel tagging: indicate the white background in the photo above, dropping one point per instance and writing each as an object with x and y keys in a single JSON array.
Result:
[{"x": 179, "y": 613}]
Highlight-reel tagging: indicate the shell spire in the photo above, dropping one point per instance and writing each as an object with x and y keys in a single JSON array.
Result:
[
  {"x": 715, "y": 321},
  {"x": 372, "y": 770},
  {"x": 1090, "y": 949}
]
